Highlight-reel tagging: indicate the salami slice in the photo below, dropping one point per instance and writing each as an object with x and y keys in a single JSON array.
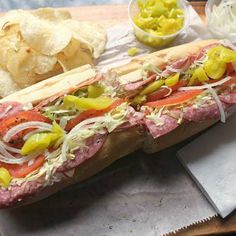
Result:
[
  {"x": 137, "y": 85},
  {"x": 229, "y": 98},
  {"x": 8, "y": 197},
  {"x": 168, "y": 125},
  {"x": 93, "y": 144},
  {"x": 9, "y": 108}
]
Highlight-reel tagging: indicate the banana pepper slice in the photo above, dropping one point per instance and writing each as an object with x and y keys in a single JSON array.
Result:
[
  {"x": 99, "y": 103},
  {"x": 5, "y": 177},
  {"x": 95, "y": 91},
  {"x": 42, "y": 141}
]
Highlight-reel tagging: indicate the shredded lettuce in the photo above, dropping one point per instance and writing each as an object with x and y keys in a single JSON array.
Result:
[{"x": 74, "y": 140}]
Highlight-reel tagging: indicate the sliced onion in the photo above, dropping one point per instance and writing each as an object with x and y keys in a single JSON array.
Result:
[
  {"x": 219, "y": 104},
  {"x": 170, "y": 90},
  {"x": 10, "y": 149},
  {"x": 4, "y": 152},
  {"x": 206, "y": 86},
  {"x": 27, "y": 125},
  {"x": 222, "y": 20},
  {"x": 6, "y": 110},
  {"x": 228, "y": 44},
  {"x": 86, "y": 122},
  {"x": 8, "y": 158},
  {"x": 64, "y": 149}
]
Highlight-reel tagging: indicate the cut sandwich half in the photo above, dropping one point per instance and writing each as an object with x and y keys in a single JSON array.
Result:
[
  {"x": 45, "y": 140},
  {"x": 192, "y": 83}
]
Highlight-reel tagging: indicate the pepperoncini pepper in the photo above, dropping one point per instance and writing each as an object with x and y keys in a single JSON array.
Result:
[
  {"x": 152, "y": 87},
  {"x": 172, "y": 80},
  {"x": 215, "y": 69},
  {"x": 95, "y": 91},
  {"x": 5, "y": 177},
  {"x": 139, "y": 99},
  {"x": 99, "y": 103},
  {"x": 218, "y": 57},
  {"x": 42, "y": 141}
]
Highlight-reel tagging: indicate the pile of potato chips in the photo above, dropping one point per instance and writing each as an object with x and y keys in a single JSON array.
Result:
[{"x": 42, "y": 43}]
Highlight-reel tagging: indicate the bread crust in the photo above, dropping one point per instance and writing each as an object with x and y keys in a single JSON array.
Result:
[
  {"x": 184, "y": 131},
  {"x": 163, "y": 57},
  {"x": 48, "y": 88}
]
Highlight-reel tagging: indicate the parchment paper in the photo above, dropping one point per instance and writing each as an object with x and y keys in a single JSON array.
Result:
[
  {"x": 139, "y": 195},
  {"x": 214, "y": 167}
]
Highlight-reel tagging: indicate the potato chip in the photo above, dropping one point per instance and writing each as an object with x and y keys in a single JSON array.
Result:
[
  {"x": 52, "y": 14},
  {"x": 44, "y": 36},
  {"x": 73, "y": 56},
  {"x": 25, "y": 63},
  {"x": 44, "y": 64},
  {"x": 10, "y": 41},
  {"x": 8, "y": 86},
  {"x": 93, "y": 33},
  {"x": 38, "y": 44}
]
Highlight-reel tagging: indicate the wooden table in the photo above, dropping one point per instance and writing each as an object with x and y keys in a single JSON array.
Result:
[{"x": 110, "y": 14}]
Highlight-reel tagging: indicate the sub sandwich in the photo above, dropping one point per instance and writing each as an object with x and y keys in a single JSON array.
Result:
[{"x": 69, "y": 127}]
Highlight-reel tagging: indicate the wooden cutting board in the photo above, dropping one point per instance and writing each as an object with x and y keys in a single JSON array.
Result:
[{"x": 109, "y": 15}]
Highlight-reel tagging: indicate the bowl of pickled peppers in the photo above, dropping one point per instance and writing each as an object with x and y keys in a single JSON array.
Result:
[{"x": 156, "y": 23}]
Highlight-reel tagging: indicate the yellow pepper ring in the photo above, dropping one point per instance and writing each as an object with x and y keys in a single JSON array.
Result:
[
  {"x": 5, "y": 177},
  {"x": 152, "y": 87},
  {"x": 172, "y": 80}
]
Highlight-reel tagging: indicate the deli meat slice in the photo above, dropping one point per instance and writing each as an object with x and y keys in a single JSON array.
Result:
[
  {"x": 9, "y": 197},
  {"x": 9, "y": 108},
  {"x": 169, "y": 124},
  {"x": 136, "y": 85},
  {"x": 181, "y": 64},
  {"x": 93, "y": 144},
  {"x": 229, "y": 98},
  {"x": 198, "y": 114}
]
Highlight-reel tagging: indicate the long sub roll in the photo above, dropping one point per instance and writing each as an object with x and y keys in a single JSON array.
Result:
[
  {"x": 181, "y": 90},
  {"x": 68, "y": 128}
]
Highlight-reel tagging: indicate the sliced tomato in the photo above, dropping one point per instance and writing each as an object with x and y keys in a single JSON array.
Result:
[
  {"x": 20, "y": 171},
  {"x": 163, "y": 92},
  {"x": 174, "y": 99},
  {"x": 92, "y": 113},
  {"x": 230, "y": 69},
  {"x": 230, "y": 82},
  {"x": 20, "y": 117}
]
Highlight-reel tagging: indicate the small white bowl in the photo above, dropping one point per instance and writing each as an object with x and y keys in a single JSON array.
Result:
[
  {"x": 150, "y": 39},
  {"x": 219, "y": 31}
]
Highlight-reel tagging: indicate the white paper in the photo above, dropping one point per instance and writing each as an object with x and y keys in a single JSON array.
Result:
[
  {"x": 141, "y": 195},
  {"x": 211, "y": 161}
]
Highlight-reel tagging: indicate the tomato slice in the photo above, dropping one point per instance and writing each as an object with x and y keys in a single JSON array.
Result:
[
  {"x": 163, "y": 92},
  {"x": 230, "y": 82},
  {"x": 230, "y": 69},
  {"x": 176, "y": 98},
  {"x": 20, "y": 117},
  {"x": 92, "y": 113},
  {"x": 20, "y": 171}
]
